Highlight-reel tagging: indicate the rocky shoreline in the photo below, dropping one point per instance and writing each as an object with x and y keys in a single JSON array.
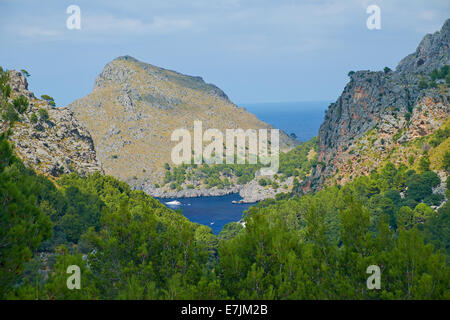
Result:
[
  {"x": 251, "y": 192},
  {"x": 190, "y": 193}
]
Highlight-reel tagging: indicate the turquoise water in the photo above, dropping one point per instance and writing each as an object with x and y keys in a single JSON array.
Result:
[{"x": 301, "y": 118}]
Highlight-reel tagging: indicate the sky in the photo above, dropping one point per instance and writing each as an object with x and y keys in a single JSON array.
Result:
[{"x": 254, "y": 50}]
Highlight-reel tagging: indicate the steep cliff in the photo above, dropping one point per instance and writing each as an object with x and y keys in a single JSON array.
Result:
[
  {"x": 378, "y": 113},
  {"x": 50, "y": 139},
  {"x": 135, "y": 107}
]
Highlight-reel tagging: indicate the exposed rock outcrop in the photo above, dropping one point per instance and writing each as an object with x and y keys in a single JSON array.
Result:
[
  {"x": 432, "y": 53},
  {"x": 254, "y": 192},
  {"x": 378, "y": 111},
  {"x": 53, "y": 146},
  {"x": 189, "y": 193}
]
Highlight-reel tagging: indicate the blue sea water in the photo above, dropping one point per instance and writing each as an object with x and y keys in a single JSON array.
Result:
[
  {"x": 214, "y": 212},
  {"x": 301, "y": 118}
]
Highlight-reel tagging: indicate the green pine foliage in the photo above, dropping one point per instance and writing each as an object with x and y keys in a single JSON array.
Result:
[
  {"x": 23, "y": 225},
  {"x": 130, "y": 246},
  {"x": 319, "y": 246}
]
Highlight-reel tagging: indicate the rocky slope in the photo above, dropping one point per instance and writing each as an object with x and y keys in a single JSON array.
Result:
[
  {"x": 378, "y": 113},
  {"x": 250, "y": 192},
  {"x": 135, "y": 107},
  {"x": 53, "y": 146}
]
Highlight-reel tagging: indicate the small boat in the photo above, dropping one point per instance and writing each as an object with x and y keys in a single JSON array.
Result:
[
  {"x": 212, "y": 223},
  {"x": 174, "y": 203}
]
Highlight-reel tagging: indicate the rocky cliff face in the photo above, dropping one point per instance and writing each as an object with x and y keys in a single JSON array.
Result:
[
  {"x": 432, "y": 53},
  {"x": 53, "y": 146},
  {"x": 135, "y": 107},
  {"x": 379, "y": 111}
]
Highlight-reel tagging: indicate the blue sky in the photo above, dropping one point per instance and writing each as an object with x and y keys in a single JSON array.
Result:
[{"x": 255, "y": 50}]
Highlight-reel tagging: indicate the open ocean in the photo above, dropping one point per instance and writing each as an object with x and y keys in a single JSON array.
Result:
[{"x": 301, "y": 118}]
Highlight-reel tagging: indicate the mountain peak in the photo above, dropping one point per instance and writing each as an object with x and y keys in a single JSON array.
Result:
[
  {"x": 135, "y": 107},
  {"x": 128, "y": 71},
  {"x": 433, "y": 52},
  {"x": 379, "y": 111}
]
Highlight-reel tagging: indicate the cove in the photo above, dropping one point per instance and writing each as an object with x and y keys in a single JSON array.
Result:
[{"x": 214, "y": 212}]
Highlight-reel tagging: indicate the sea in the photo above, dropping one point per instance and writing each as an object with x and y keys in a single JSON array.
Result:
[{"x": 300, "y": 118}]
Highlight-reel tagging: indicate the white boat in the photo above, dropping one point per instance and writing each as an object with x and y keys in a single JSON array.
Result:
[{"x": 174, "y": 203}]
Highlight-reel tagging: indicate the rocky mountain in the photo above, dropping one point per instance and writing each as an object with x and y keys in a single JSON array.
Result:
[
  {"x": 432, "y": 53},
  {"x": 49, "y": 139},
  {"x": 135, "y": 107},
  {"x": 379, "y": 113}
]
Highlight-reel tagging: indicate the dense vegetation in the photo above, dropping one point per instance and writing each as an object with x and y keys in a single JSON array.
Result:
[
  {"x": 129, "y": 246},
  {"x": 319, "y": 246},
  {"x": 298, "y": 162},
  {"x": 137, "y": 247}
]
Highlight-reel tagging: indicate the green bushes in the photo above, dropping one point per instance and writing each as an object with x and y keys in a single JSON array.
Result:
[
  {"x": 317, "y": 246},
  {"x": 440, "y": 74},
  {"x": 298, "y": 161},
  {"x": 440, "y": 136},
  {"x": 333, "y": 235},
  {"x": 23, "y": 225},
  {"x": 20, "y": 104},
  {"x": 446, "y": 161},
  {"x": 436, "y": 75},
  {"x": 420, "y": 187},
  {"x": 33, "y": 118},
  {"x": 48, "y": 99},
  {"x": 424, "y": 163},
  {"x": 25, "y": 73},
  {"x": 423, "y": 84},
  {"x": 43, "y": 114}
]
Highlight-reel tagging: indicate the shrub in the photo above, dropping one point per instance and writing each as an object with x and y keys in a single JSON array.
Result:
[
  {"x": 407, "y": 116},
  {"x": 424, "y": 164},
  {"x": 43, "y": 114},
  {"x": 49, "y": 99},
  {"x": 423, "y": 84},
  {"x": 423, "y": 212},
  {"x": 20, "y": 104},
  {"x": 33, "y": 118},
  {"x": 446, "y": 161},
  {"x": 434, "y": 199},
  {"x": 25, "y": 73}
]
